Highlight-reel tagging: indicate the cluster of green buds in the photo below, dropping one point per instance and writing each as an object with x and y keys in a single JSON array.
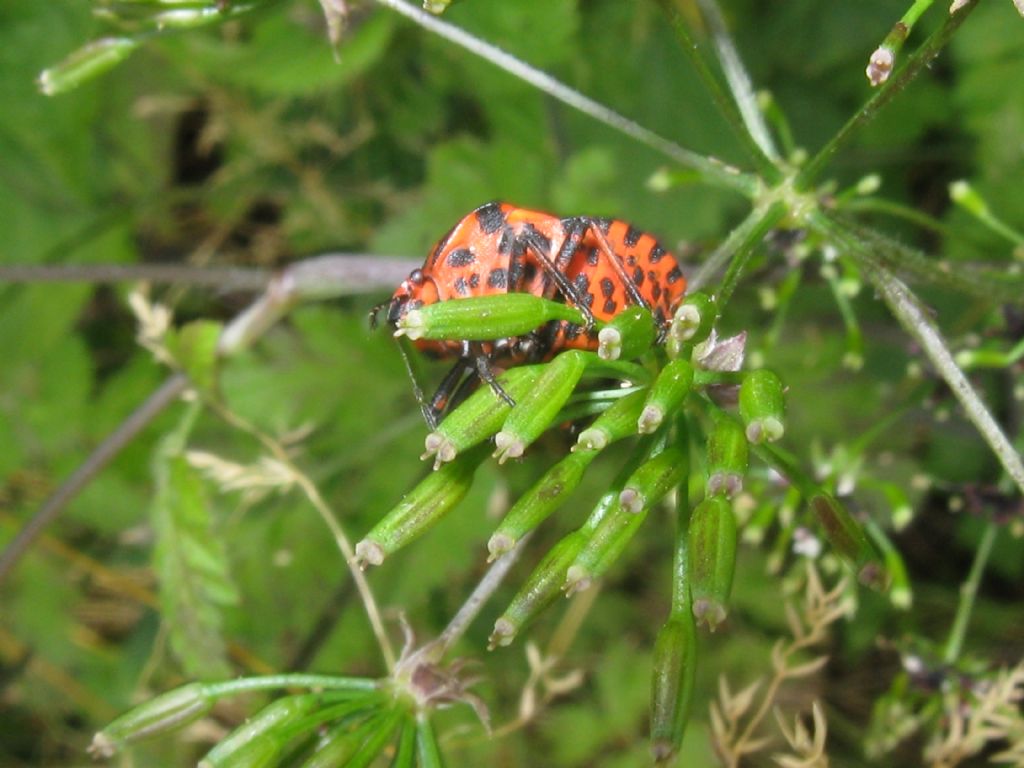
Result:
[
  {"x": 659, "y": 401},
  {"x": 332, "y": 721}
]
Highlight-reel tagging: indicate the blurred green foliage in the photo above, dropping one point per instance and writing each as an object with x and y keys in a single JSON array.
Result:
[{"x": 247, "y": 143}]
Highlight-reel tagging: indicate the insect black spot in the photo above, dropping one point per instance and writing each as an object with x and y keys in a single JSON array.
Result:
[
  {"x": 572, "y": 331},
  {"x": 474, "y": 280},
  {"x": 609, "y": 307},
  {"x": 656, "y": 253},
  {"x": 460, "y": 286},
  {"x": 607, "y": 287},
  {"x": 638, "y": 277},
  {"x": 497, "y": 278},
  {"x": 631, "y": 261},
  {"x": 490, "y": 217},
  {"x": 632, "y": 237},
  {"x": 505, "y": 243},
  {"x": 592, "y": 256},
  {"x": 461, "y": 257},
  {"x": 674, "y": 275},
  {"x": 581, "y": 283},
  {"x": 588, "y": 300},
  {"x": 655, "y": 290},
  {"x": 529, "y": 272},
  {"x": 603, "y": 224}
]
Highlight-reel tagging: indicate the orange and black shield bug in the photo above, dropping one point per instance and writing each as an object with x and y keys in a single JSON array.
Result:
[{"x": 598, "y": 265}]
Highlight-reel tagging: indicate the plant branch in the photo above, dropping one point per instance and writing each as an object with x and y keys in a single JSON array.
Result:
[
  {"x": 907, "y": 309},
  {"x": 711, "y": 170},
  {"x": 968, "y": 594},
  {"x": 491, "y": 580},
  {"x": 226, "y": 279},
  {"x": 920, "y": 59},
  {"x": 739, "y": 82},
  {"x": 320, "y": 277},
  {"x": 104, "y": 453},
  {"x": 726, "y": 106},
  {"x": 738, "y": 246}
]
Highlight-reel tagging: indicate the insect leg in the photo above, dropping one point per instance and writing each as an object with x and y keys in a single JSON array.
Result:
[
  {"x": 615, "y": 262},
  {"x": 542, "y": 249},
  {"x": 482, "y": 361}
]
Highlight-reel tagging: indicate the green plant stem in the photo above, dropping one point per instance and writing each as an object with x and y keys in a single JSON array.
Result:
[
  {"x": 737, "y": 122},
  {"x": 968, "y": 594},
  {"x": 710, "y": 170},
  {"x": 907, "y": 310},
  {"x": 739, "y": 83},
  {"x": 920, "y": 59},
  {"x": 739, "y": 247},
  {"x": 272, "y": 682}
]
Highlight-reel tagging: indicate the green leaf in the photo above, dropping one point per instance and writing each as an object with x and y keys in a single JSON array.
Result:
[
  {"x": 190, "y": 560},
  {"x": 194, "y": 347}
]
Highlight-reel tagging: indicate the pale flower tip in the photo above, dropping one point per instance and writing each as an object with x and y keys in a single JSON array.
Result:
[
  {"x": 650, "y": 419},
  {"x": 503, "y": 634},
  {"x": 631, "y": 500},
  {"x": 102, "y": 747},
  {"x": 508, "y": 446},
  {"x": 880, "y": 65},
  {"x": 368, "y": 552},
  {"x": 498, "y": 545}
]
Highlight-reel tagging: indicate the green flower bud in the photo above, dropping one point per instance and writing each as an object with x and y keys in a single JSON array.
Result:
[
  {"x": 726, "y": 456},
  {"x": 483, "y": 318},
  {"x": 86, "y": 63},
  {"x": 164, "y": 713},
  {"x": 665, "y": 395},
  {"x": 712, "y": 559},
  {"x": 607, "y": 539},
  {"x": 255, "y": 743},
  {"x": 675, "y": 667},
  {"x": 615, "y": 423},
  {"x": 653, "y": 480},
  {"x": 762, "y": 407},
  {"x": 547, "y": 495},
  {"x": 538, "y": 592},
  {"x": 421, "y": 508},
  {"x": 691, "y": 324},
  {"x": 849, "y": 540},
  {"x": 629, "y": 334},
  {"x": 479, "y": 417},
  {"x": 538, "y": 408}
]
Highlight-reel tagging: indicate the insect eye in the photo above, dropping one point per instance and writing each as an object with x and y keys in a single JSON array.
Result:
[{"x": 416, "y": 277}]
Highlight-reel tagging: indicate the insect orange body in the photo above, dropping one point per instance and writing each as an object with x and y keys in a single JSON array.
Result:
[{"x": 598, "y": 265}]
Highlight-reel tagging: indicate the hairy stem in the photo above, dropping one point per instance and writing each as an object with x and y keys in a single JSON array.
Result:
[
  {"x": 907, "y": 310},
  {"x": 968, "y": 594},
  {"x": 739, "y": 81},
  {"x": 726, "y": 106},
  {"x": 711, "y": 171},
  {"x": 921, "y": 58}
]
